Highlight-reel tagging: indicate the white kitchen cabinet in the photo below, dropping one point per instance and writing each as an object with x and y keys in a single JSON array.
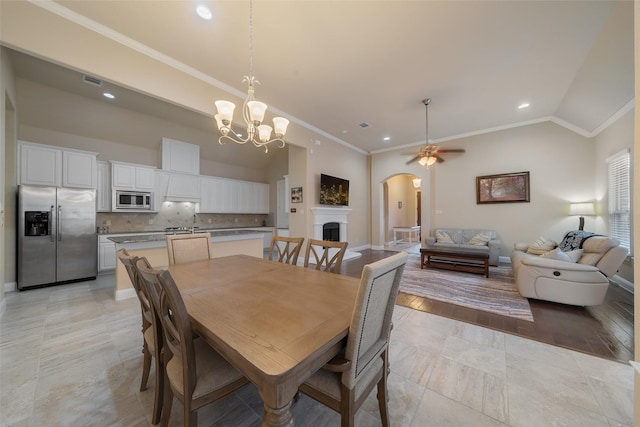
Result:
[
  {"x": 178, "y": 156},
  {"x": 222, "y": 195},
  {"x": 48, "y": 165},
  {"x": 103, "y": 190},
  {"x": 106, "y": 255},
  {"x": 128, "y": 176}
]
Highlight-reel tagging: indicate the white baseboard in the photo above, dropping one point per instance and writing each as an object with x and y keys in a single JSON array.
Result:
[
  {"x": 10, "y": 287},
  {"x": 125, "y": 294},
  {"x": 377, "y": 248},
  {"x": 3, "y": 305}
]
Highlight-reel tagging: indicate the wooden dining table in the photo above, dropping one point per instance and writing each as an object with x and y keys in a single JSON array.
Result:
[{"x": 276, "y": 323}]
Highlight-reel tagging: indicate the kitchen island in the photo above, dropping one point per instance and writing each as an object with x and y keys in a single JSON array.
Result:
[{"x": 154, "y": 248}]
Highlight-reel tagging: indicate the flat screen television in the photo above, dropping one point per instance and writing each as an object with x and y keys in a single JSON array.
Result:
[{"x": 334, "y": 191}]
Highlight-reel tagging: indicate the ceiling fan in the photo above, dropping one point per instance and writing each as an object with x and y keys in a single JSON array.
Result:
[{"x": 429, "y": 154}]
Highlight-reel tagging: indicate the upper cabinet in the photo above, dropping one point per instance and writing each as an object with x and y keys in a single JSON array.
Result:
[
  {"x": 103, "y": 192},
  {"x": 178, "y": 156},
  {"x": 48, "y": 165},
  {"x": 222, "y": 195},
  {"x": 127, "y": 176}
]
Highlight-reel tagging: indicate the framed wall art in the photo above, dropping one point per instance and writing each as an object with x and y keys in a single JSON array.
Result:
[
  {"x": 296, "y": 194},
  {"x": 502, "y": 188}
]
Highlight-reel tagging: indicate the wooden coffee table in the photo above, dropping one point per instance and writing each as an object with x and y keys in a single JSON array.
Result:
[{"x": 456, "y": 259}]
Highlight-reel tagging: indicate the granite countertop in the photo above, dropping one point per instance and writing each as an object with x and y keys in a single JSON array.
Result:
[
  {"x": 146, "y": 233},
  {"x": 161, "y": 236}
]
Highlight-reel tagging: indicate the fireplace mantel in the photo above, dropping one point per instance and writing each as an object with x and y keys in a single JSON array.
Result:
[{"x": 323, "y": 215}]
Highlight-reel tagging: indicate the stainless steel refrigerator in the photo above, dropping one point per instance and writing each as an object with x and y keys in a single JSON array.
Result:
[{"x": 57, "y": 239}]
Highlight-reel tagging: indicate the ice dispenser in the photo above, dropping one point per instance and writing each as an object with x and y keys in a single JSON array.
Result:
[{"x": 36, "y": 223}]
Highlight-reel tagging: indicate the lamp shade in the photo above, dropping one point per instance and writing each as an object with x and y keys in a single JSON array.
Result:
[
  {"x": 417, "y": 182},
  {"x": 581, "y": 209}
]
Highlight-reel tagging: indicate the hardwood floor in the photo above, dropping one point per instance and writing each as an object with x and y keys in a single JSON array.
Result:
[{"x": 605, "y": 331}]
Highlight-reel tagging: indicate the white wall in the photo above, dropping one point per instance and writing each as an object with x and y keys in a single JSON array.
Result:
[{"x": 561, "y": 166}]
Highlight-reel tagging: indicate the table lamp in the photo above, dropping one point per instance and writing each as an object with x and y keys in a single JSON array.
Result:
[{"x": 581, "y": 209}]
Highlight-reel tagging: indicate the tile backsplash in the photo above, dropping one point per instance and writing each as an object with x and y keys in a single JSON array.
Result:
[{"x": 175, "y": 214}]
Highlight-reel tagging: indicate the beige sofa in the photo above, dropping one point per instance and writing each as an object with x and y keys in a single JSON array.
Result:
[
  {"x": 467, "y": 239},
  {"x": 582, "y": 279}
]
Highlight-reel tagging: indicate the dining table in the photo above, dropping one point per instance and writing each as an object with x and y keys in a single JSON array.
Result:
[{"x": 276, "y": 323}]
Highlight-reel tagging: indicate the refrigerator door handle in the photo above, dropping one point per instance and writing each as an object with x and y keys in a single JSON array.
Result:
[
  {"x": 58, "y": 223},
  {"x": 52, "y": 236}
]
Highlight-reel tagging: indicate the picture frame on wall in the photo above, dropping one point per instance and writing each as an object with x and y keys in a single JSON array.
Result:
[
  {"x": 503, "y": 188},
  {"x": 296, "y": 195}
]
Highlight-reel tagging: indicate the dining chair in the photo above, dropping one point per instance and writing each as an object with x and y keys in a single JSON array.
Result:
[
  {"x": 188, "y": 247},
  {"x": 345, "y": 382},
  {"x": 151, "y": 333},
  {"x": 286, "y": 248},
  {"x": 194, "y": 372},
  {"x": 326, "y": 255}
]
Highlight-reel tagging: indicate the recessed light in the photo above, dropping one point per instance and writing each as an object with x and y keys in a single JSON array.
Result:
[
  {"x": 109, "y": 95},
  {"x": 204, "y": 12},
  {"x": 386, "y": 138},
  {"x": 523, "y": 105}
]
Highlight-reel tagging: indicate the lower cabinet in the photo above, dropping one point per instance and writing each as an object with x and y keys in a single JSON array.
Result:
[{"x": 106, "y": 254}]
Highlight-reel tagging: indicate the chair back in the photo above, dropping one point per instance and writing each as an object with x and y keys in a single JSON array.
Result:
[
  {"x": 325, "y": 254},
  {"x": 170, "y": 309},
  {"x": 129, "y": 262},
  {"x": 286, "y": 248},
  {"x": 371, "y": 321},
  {"x": 184, "y": 248}
]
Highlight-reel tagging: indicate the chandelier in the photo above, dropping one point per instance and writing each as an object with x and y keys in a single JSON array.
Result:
[{"x": 252, "y": 111}]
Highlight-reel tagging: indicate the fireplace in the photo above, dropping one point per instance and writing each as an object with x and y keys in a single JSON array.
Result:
[{"x": 331, "y": 231}]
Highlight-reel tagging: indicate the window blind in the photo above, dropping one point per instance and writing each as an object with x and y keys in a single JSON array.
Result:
[{"x": 619, "y": 183}]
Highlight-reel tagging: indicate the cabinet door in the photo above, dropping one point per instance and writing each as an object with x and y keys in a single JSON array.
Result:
[
  {"x": 262, "y": 198},
  {"x": 123, "y": 176},
  {"x": 144, "y": 178},
  {"x": 178, "y": 156},
  {"x": 208, "y": 194},
  {"x": 106, "y": 256},
  {"x": 40, "y": 165},
  {"x": 79, "y": 170},
  {"x": 103, "y": 191}
]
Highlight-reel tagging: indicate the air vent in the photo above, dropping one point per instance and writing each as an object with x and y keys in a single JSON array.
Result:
[
  {"x": 91, "y": 80},
  {"x": 364, "y": 125}
]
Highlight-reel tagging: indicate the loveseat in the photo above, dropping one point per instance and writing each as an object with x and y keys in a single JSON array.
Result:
[
  {"x": 466, "y": 239},
  {"x": 574, "y": 272}
]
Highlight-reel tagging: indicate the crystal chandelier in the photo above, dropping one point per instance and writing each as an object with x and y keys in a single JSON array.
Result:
[{"x": 252, "y": 111}]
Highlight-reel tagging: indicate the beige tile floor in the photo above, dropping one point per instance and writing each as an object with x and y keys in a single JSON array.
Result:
[{"x": 70, "y": 356}]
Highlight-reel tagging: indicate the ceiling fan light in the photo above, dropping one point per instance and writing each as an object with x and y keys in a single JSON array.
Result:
[
  {"x": 422, "y": 161},
  {"x": 430, "y": 160}
]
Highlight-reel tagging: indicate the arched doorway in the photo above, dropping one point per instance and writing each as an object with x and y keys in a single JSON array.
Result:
[{"x": 402, "y": 204}]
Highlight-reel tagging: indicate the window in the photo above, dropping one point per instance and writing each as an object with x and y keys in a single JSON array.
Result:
[{"x": 619, "y": 183}]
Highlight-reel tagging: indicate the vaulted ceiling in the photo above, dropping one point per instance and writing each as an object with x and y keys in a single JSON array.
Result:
[{"x": 334, "y": 65}]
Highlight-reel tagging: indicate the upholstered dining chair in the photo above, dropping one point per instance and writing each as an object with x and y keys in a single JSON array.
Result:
[
  {"x": 286, "y": 249},
  {"x": 325, "y": 254},
  {"x": 346, "y": 381},
  {"x": 188, "y": 247},
  {"x": 195, "y": 373},
  {"x": 151, "y": 333}
]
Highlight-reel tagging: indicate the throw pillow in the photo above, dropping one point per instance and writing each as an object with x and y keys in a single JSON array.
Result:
[
  {"x": 541, "y": 246},
  {"x": 575, "y": 255},
  {"x": 557, "y": 254},
  {"x": 442, "y": 237},
  {"x": 480, "y": 239}
]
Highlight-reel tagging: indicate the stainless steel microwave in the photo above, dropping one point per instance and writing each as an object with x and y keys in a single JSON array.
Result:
[{"x": 133, "y": 200}]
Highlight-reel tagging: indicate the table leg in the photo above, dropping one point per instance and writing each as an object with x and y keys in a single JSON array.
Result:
[{"x": 278, "y": 417}]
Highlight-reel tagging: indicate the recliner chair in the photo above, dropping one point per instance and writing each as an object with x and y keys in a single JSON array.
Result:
[{"x": 582, "y": 283}]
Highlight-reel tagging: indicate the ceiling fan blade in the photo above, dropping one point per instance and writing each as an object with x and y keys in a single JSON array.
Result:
[
  {"x": 439, "y": 159},
  {"x": 414, "y": 159},
  {"x": 452, "y": 150}
]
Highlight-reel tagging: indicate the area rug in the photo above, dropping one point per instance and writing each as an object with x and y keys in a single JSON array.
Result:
[{"x": 496, "y": 294}]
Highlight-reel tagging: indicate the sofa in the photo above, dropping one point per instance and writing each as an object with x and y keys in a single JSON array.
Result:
[
  {"x": 574, "y": 272},
  {"x": 466, "y": 239}
]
